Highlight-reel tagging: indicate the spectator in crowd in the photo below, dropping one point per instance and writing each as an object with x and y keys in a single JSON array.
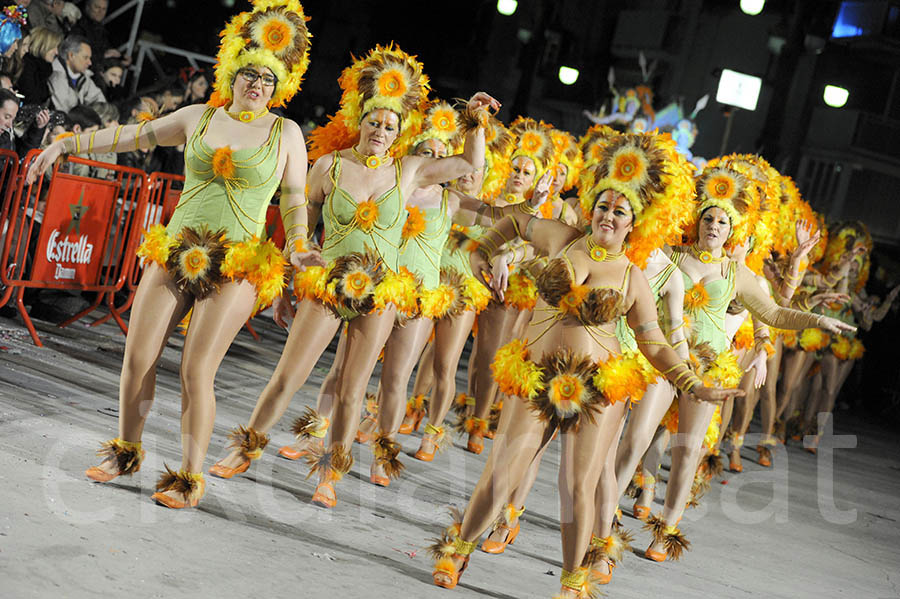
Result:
[
  {"x": 9, "y": 108},
  {"x": 86, "y": 120},
  {"x": 34, "y": 82},
  {"x": 91, "y": 27},
  {"x": 109, "y": 77},
  {"x": 12, "y": 19},
  {"x": 47, "y": 13},
  {"x": 70, "y": 82},
  {"x": 6, "y": 80},
  {"x": 59, "y": 124},
  {"x": 29, "y": 127},
  {"x": 197, "y": 89}
]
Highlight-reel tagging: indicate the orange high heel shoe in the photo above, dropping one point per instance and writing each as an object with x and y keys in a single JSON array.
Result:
[
  {"x": 190, "y": 484},
  {"x": 438, "y": 440},
  {"x": 765, "y": 456},
  {"x": 641, "y": 512},
  {"x": 476, "y": 427},
  {"x": 510, "y": 513},
  {"x": 335, "y": 464},
  {"x": 415, "y": 413},
  {"x": 734, "y": 461},
  {"x": 669, "y": 537},
  {"x": 643, "y": 482},
  {"x": 475, "y": 444},
  {"x": 127, "y": 455},
  {"x": 250, "y": 442},
  {"x": 385, "y": 451},
  {"x": 445, "y": 573}
]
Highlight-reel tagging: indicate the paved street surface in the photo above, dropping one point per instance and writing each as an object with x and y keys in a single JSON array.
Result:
[{"x": 814, "y": 526}]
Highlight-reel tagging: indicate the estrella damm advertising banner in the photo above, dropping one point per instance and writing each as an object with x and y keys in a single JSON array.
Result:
[{"x": 74, "y": 231}]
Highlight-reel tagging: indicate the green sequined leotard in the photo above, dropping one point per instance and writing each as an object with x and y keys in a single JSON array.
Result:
[
  {"x": 421, "y": 254},
  {"x": 225, "y": 189},
  {"x": 352, "y": 226},
  {"x": 707, "y": 318}
]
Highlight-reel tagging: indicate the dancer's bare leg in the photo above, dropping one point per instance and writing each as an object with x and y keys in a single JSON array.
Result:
[
  {"x": 366, "y": 336},
  {"x": 519, "y": 438},
  {"x": 643, "y": 421},
  {"x": 313, "y": 329},
  {"x": 495, "y": 328},
  {"x": 424, "y": 381},
  {"x": 215, "y": 322},
  {"x": 693, "y": 420},
  {"x": 401, "y": 352},
  {"x": 796, "y": 364},
  {"x": 579, "y": 475},
  {"x": 607, "y": 494},
  {"x": 449, "y": 340},
  {"x": 158, "y": 308}
]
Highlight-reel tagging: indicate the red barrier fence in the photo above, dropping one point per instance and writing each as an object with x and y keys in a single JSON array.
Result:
[
  {"x": 163, "y": 193},
  {"x": 73, "y": 233}
]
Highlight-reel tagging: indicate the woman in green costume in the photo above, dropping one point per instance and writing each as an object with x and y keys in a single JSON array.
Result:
[{"x": 209, "y": 259}]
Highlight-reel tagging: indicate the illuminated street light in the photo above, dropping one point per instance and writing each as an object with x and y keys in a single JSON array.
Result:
[
  {"x": 835, "y": 96},
  {"x": 506, "y": 7},
  {"x": 752, "y": 7},
  {"x": 568, "y": 75}
]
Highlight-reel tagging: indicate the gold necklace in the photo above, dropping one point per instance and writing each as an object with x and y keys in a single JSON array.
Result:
[
  {"x": 704, "y": 256},
  {"x": 512, "y": 198},
  {"x": 372, "y": 161},
  {"x": 526, "y": 208},
  {"x": 247, "y": 116},
  {"x": 601, "y": 254}
]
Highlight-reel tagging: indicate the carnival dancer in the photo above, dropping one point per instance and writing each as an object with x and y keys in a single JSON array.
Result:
[
  {"x": 724, "y": 211},
  {"x": 571, "y": 375},
  {"x": 360, "y": 191},
  {"x": 210, "y": 259},
  {"x": 528, "y": 166}
]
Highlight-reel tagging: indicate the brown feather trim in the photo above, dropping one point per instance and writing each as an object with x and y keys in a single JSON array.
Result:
[
  {"x": 565, "y": 362},
  {"x": 207, "y": 276},
  {"x": 633, "y": 489},
  {"x": 494, "y": 416},
  {"x": 702, "y": 353},
  {"x": 311, "y": 421},
  {"x": 656, "y": 527},
  {"x": 601, "y": 306},
  {"x": 377, "y": 63},
  {"x": 593, "y": 555},
  {"x": 293, "y": 52},
  {"x": 764, "y": 453},
  {"x": 621, "y": 542},
  {"x": 676, "y": 544},
  {"x": 366, "y": 262},
  {"x": 181, "y": 482},
  {"x": 128, "y": 461},
  {"x": 451, "y": 278},
  {"x": 441, "y": 547},
  {"x": 455, "y": 240},
  {"x": 386, "y": 451},
  {"x": 735, "y": 307},
  {"x": 714, "y": 465},
  {"x": 250, "y": 441},
  {"x": 475, "y": 426},
  {"x": 626, "y": 536},
  {"x": 336, "y": 462},
  {"x": 554, "y": 282},
  {"x": 459, "y": 404}
]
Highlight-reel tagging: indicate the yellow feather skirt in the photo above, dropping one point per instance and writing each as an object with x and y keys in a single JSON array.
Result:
[{"x": 254, "y": 260}]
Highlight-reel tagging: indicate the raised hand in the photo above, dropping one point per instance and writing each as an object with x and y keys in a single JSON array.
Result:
[
  {"x": 805, "y": 242},
  {"x": 482, "y": 100},
  {"x": 542, "y": 189}
]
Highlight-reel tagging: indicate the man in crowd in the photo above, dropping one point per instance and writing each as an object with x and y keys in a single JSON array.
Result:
[{"x": 71, "y": 83}]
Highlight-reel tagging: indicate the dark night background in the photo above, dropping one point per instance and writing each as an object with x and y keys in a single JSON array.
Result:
[{"x": 846, "y": 161}]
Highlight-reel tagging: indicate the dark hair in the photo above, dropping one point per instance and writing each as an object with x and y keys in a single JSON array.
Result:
[
  {"x": 59, "y": 119},
  {"x": 85, "y": 117},
  {"x": 71, "y": 44},
  {"x": 111, "y": 62},
  {"x": 7, "y": 96}
]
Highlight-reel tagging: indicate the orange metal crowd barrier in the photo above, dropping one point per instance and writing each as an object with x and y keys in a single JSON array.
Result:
[
  {"x": 163, "y": 193},
  {"x": 72, "y": 233}
]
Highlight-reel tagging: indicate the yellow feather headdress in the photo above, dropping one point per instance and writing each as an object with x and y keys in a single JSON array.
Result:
[
  {"x": 656, "y": 180},
  {"x": 387, "y": 78},
  {"x": 567, "y": 154},
  {"x": 532, "y": 141},
  {"x": 442, "y": 122},
  {"x": 499, "y": 145},
  {"x": 272, "y": 35},
  {"x": 843, "y": 237},
  {"x": 728, "y": 189},
  {"x": 591, "y": 147}
]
